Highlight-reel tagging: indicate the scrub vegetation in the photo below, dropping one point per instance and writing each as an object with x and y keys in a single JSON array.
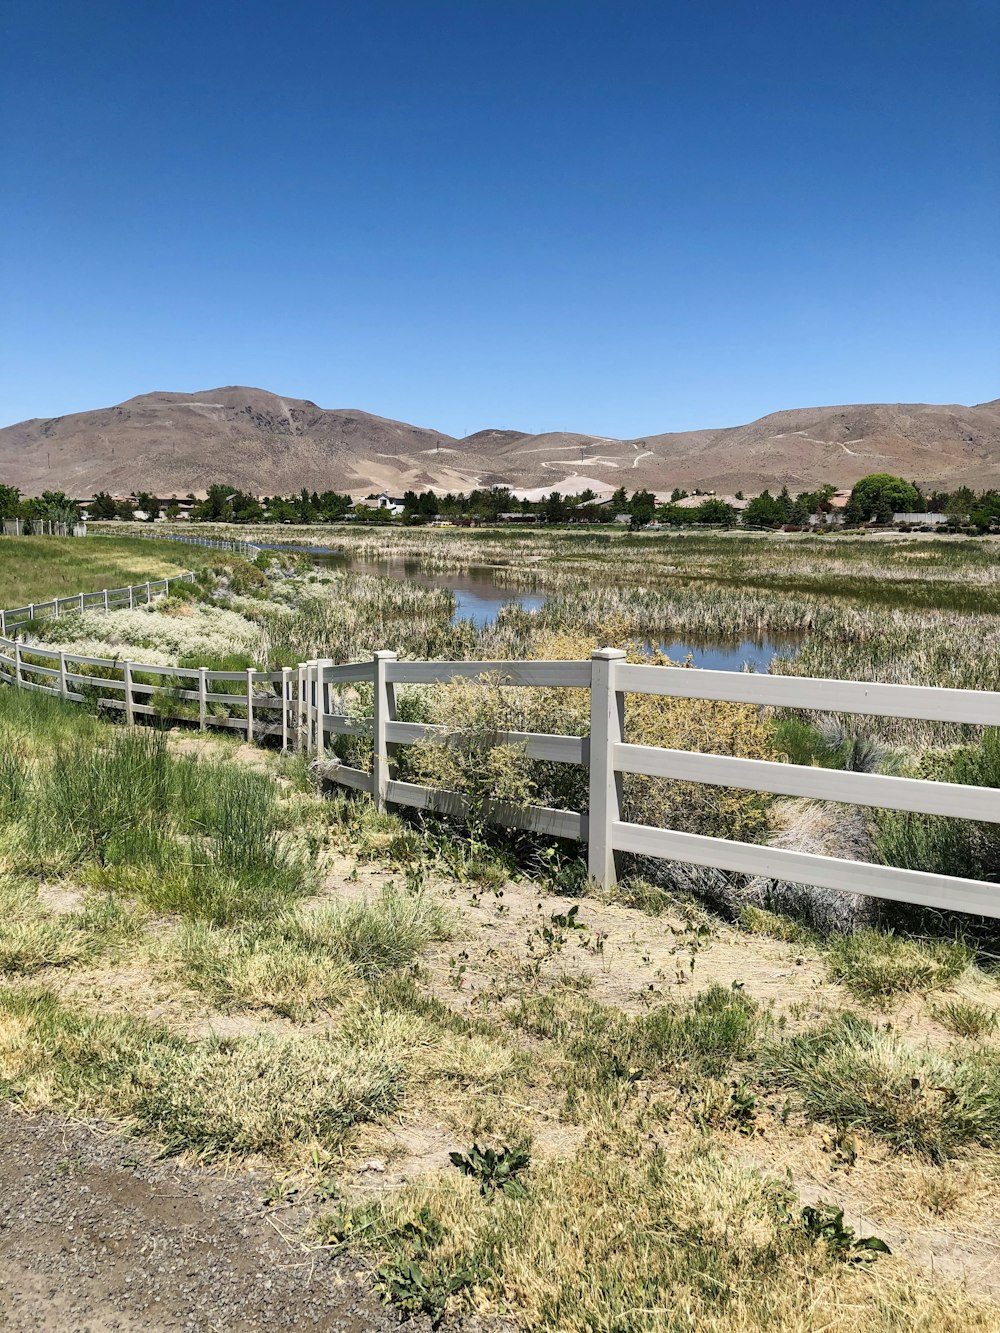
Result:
[{"x": 692, "y": 1104}]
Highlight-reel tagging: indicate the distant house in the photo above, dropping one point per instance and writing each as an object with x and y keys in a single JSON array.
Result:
[{"x": 394, "y": 503}]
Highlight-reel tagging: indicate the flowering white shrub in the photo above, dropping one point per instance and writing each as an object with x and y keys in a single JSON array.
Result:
[{"x": 157, "y": 638}]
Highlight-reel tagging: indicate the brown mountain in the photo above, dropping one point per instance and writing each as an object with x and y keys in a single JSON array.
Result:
[{"x": 172, "y": 443}]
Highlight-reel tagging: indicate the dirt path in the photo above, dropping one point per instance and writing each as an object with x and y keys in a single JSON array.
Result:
[{"x": 95, "y": 1235}]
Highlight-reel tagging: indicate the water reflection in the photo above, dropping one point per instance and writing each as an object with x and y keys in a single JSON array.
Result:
[{"x": 479, "y": 598}]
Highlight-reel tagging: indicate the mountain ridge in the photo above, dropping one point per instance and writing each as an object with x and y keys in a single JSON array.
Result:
[{"x": 172, "y": 443}]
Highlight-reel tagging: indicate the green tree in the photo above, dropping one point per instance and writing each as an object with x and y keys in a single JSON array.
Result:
[
  {"x": 102, "y": 506},
  {"x": 763, "y": 511},
  {"x": 149, "y": 505},
  {"x": 714, "y": 511},
  {"x": 642, "y": 507},
  {"x": 10, "y": 501},
  {"x": 880, "y": 495}
]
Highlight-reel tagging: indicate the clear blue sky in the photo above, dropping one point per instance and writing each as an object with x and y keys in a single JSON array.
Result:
[{"x": 591, "y": 215}]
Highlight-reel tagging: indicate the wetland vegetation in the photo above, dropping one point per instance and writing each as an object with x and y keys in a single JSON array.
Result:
[{"x": 684, "y": 1106}]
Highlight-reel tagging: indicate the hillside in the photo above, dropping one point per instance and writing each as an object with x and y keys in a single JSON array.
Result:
[{"x": 172, "y": 443}]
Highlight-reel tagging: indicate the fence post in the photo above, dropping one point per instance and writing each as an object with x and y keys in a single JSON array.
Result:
[
  {"x": 300, "y": 689},
  {"x": 323, "y": 710},
  {"x": 62, "y": 673},
  {"x": 81, "y": 603},
  {"x": 149, "y": 593},
  {"x": 607, "y": 723},
  {"x": 384, "y": 711},
  {"x": 249, "y": 705},
  {"x": 31, "y": 611},
  {"x": 202, "y": 698},
  {"x": 17, "y": 663},
  {"x": 129, "y": 701},
  {"x": 286, "y": 703},
  {"x": 3, "y": 622},
  {"x": 130, "y": 603},
  {"x": 105, "y": 599}
]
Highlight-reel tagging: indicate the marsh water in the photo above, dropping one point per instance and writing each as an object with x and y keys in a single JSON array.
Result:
[{"x": 479, "y": 597}]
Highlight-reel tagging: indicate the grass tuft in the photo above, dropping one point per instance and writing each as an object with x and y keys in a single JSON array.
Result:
[
  {"x": 859, "y": 1077},
  {"x": 878, "y": 966}
]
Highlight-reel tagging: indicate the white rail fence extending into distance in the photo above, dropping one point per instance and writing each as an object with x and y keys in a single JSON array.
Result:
[
  {"x": 306, "y": 706},
  {"x": 131, "y": 530}
]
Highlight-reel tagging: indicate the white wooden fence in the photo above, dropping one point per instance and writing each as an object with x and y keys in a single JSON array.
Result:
[
  {"x": 300, "y": 707},
  {"x": 608, "y": 755},
  {"x": 131, "y": 530},
  {"x": 40, "y": 527}
]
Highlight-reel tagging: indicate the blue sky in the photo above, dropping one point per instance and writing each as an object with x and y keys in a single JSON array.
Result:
[{"x": 598, "y": 216}]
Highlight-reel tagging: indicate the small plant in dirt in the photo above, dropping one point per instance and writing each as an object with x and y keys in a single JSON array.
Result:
[
  {"x": 567, "y": 920},
  {"x": 825, "y": 1222},
  {"x": 419, "y": 1290},
  {"x": 743, "y": 1102},
  {"x": 496, "y": 1169}
]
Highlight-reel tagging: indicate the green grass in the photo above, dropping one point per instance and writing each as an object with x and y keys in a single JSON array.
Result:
[
  {"x": 857, "y": 1076},
  {"x": 36, "y": 569},
  {"x": 202, "y": 838},
  {"x": 311, "y": 963},
  {"x": 967, "y": 1019},
  {"x": 877, "y": 966}
]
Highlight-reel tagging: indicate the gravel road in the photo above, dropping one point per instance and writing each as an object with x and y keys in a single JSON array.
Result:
[{"x": 95, "y": 1235}]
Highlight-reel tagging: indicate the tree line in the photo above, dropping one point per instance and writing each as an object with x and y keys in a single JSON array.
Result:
[{"x": 875, "y": 498}]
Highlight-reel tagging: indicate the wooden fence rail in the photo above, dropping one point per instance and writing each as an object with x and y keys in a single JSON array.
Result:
[{"x": 306, "y": 708}]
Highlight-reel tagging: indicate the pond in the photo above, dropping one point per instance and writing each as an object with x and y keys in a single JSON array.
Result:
[{"x": 479, "y": 598}]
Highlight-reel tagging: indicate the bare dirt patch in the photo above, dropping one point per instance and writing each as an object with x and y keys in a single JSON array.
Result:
[{"x": 96, "y": 1234}]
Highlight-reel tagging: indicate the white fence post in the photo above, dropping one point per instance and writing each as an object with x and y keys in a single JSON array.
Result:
[
  {"x": 300, "y": 690},
  {"x": 18, "y": 679},
  {"x": 149, "y": 593},
  {"x": 249, "y": 705},
  {"x": 286, "y": 703},
  {"x": 130, "y": 600},
  {"x": 129, "y": 701},
  {"x": 607, "y": 723},
  {"x": 323, "y": 703},
  {"x": 81, "y": 603},
  {"x": 105, "y": 599},
  {"x": 62, "y": 673},
  {"x": 384, "y": 712},
  {"x": 202, "y": 698}
]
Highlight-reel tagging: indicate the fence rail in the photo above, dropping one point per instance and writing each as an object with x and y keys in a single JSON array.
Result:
[
  {"x": 214, "y": 543},
  {"x": 305, "y": 707}
]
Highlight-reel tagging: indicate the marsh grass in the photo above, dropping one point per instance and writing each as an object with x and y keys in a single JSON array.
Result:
[
  {"x": 947, "y": 846},
  {"x": 879, "y": 966}
]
